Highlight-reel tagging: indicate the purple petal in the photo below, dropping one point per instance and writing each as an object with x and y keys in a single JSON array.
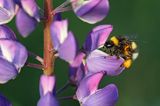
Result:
[
  {"x": 59, "y": 32},
  {"x": 67, "y": 51},
  {"x": 14, "y": 52},
  {"x": 48, "y": 100},
  {"x": 76, "y": 74},
  {"x": 25, "y": 23},
  {"x": 97, "y": 37},
  {"x": 47, "y": 84},
  {"x": 99, "y": 61},
  {"x": 17, "y": 2},
  {"x": 107, "y": 96},
  {"x": 6, "y": 33},
  {"x": 78, "y": 59},
  {"x": 31, "y": 7},
  {"x": 4, "y": 101},
  {"x": 7, "y": 71},
  {"x": 88, "y": 85},
  {"x": 7, "y": 11},
  {"x": 57, "y": 17},
  {"x": 91, "y": 11},
  {"x": 76, "y": 69}
]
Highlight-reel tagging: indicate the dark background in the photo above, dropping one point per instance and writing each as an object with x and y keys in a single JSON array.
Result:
[{"x": 138, "y": 86}]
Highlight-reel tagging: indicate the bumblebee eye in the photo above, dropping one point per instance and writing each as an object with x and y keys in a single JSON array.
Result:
[
  {"x": 134, "y": 45},
  {"x": 109, "y": 44}
]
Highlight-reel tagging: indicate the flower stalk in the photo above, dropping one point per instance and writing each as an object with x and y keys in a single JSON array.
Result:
[{"x": 49, "y": 57}]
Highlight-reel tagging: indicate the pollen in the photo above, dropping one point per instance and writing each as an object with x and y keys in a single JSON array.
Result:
[
  {"x": 115, "y": 40},
  {"x": 127, "y": 63},
  {"x": 126, "y": 49},
  {"x": 134, "y": 45}
]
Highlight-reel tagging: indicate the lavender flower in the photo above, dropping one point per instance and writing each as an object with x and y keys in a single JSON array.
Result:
[
  {"x": 47, "y": 86},
  {"x": 7, "y": 33},
  {"x": 64, "y": 41},
  {"x": 91, "y": 11},
  {"x": 88, "y": 93},
  {"x": 99, "y": 61},
  {"x": 26, "y": 24},
  {"x": 77, "y": 69},
  {"x": 7, "y": 71},
  {"x": 93, "y": 60},
  {"x": 28, "y": 9},
  {"x": 7, "y": 11},
  {"x": 4, "y": 101},
  {"x": 87, "y": 65},
  {"x": 31, "y": 8},
  {"x": 13, "y": 55},
  {"x": 96, "y": 59}
]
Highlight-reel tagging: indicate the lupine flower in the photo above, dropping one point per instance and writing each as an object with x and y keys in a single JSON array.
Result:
[
  {"x": 31, "y": 8},
  {"x": 47, "y": 94},
  {"x": 26, "y": 24},
  {"x": 99, "y": 61},
  {"x": 94, "y": 60},
  {"x": 13, "y": 55},
  {"x": 26, "y": 15},
  {"x": 91, "y": 11},
  {"x": 77, "y": 69},
  {"x": 14, "y": 52},
  {"x": 7, "y": 71},
  {"x": 4, "y": 101},
  {"x": 64, "y": 41},
  {"x": 7, "y": 33},
  {"x": 88, "y": 93},
  {"x": 7, "y": 11}
]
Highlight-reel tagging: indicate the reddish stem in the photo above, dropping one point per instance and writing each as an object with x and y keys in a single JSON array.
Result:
[{"x": 49, "y": 57}]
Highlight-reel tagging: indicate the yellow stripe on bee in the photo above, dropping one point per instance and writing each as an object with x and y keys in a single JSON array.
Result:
[
  {"x": 126, "y": 50},
  {"x": 127, "y": 63},
  {"x": 115, "y": 40}
]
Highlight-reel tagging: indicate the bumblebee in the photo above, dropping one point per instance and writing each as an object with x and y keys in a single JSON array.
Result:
[{"x": 121, "y": 47}]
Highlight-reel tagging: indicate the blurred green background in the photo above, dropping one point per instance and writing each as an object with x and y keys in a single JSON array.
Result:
[{"x": 138, "y": 86}]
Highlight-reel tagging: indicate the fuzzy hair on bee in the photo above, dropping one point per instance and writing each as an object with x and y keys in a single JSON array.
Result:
[{"x": 121, "y": 46}]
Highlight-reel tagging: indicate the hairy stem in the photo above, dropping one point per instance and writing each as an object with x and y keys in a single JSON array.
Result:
[{"x": 49, "y": 57}]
